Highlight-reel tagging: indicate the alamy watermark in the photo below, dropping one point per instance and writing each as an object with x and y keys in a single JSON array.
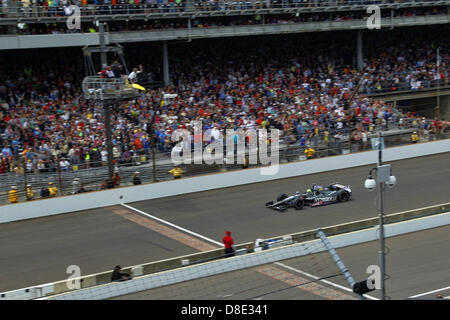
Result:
[
  {"x": 374, "y": 21},
  {"x": 374, "y": 280},
  {"x": 74, "y": 20},
  {"x": 73, "y": 282},
  {"x": 74, "y": 17},
  {"x": 242, "y": 145}
]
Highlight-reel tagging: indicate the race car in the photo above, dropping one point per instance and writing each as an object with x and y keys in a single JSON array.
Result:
[{"x": 316, "y": 196}]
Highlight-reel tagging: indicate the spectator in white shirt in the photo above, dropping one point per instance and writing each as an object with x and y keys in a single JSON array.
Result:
[
  {"x": 104, "y": 155},
  {"x": 64, "y": 164},
  {"x": 133, "y": 75}
]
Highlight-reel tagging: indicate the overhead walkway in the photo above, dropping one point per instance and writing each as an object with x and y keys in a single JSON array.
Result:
[{"x": 8, "y": 42}]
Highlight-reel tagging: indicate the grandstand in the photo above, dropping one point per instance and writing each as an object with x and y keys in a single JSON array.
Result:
[
  {"x": 311, "y": 69},
  {"x": 268, "y": 97}
]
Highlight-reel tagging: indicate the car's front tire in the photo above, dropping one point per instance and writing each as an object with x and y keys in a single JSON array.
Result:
[{"x": 299, "y": 204}]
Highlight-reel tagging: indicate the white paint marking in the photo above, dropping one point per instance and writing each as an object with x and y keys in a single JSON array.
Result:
[
  {"x": 323, "y": 280},
  {"x": 172, "y": 225},
  {"x": 430, "y": 292},
  {"x": 218, "y": 243}
]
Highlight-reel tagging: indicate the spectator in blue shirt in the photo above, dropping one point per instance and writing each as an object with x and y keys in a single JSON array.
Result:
[
  {"x": 7, "y": 152},
  {"x": 303, "y": 142}
]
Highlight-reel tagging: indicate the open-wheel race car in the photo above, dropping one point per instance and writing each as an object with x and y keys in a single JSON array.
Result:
[{"x": 316, "y": 196}]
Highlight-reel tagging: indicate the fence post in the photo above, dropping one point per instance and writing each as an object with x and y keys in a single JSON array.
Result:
[
  {"x": 154, "y": 155},
  {"x": 59, "y": 174},
  {"x": 25, "y": 175}
]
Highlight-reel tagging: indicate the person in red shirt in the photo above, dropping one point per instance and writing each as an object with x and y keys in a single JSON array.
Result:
[
  {"x": 116, "y": 179},
  {"x": 228, "y": 243},
  {"x": 138, "y": 143}
]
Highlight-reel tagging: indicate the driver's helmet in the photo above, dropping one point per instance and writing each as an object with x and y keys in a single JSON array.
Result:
[{"x": 309, "y": 190}]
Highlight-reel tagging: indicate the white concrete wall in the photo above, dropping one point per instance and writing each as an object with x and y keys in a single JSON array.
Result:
[
  {"x": 8, "y": 42},
  {"x": 46, "y": 207}
]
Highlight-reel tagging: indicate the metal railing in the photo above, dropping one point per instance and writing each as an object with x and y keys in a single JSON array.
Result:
[
  {"x": 149, "y": 7},
  {"x": 389, "y": 86},
  {"x": 96, "y": 87},
  {"x": 93, "y": 175}
]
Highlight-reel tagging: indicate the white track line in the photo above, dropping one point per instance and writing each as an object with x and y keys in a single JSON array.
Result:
[
  {"x": 430, "y": 292},
  {"x": 220, "y": 244},
  {"x": 172, "y": 225},
  {"x": 323, "y": 280}
]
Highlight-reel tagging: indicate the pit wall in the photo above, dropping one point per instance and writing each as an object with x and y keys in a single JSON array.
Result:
[{"x": 65, "y": 204}]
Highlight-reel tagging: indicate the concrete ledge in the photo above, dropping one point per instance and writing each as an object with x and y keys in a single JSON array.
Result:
[{"x": 85, "y": 201}]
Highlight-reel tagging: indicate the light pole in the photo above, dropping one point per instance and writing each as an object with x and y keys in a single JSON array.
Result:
[
  {"x": 384, "y": 177},
  {"x": 347, "y": 107},
  {"x": 109, "y": 146},
  {"x": 438, "y": 104}
]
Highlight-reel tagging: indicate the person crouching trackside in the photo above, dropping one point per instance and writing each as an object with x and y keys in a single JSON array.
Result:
[
  {"x": 45, "y": 193},
  {"x": 309, "y": 153},
  {"x": 12, "y": 195},
  {"x": 30, "y": 193},
  {"x": 52, "y": 189},
  {"x": 176, "y": 172},
  {"x": 136, "y": 178},
  {"x": 117, "y": 275},
  {"x": 414, "y": 137}
]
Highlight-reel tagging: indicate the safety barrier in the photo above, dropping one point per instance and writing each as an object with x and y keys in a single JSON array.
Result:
[
  {"x": 393, "y": 227},
  {"x": 47, "y": 207}
]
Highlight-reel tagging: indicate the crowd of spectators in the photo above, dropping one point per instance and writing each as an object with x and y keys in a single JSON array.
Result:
[
  {"x": 298, "y": 84},
  {"x": 222, "y": 21},
  {"x": 60, "y": 7}
]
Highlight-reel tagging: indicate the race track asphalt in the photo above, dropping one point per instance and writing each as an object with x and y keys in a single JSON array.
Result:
[
  {"x": 417, "y": 263},
  {"x": 39, "y": 250},
  {"x": 420, "y": 182}
]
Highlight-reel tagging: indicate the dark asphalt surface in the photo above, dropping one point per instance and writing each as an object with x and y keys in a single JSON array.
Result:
[
  {"x": 417, "y": 263},
  {"x": 39, "y": 250},
  {"x": 420, "y": 182}
]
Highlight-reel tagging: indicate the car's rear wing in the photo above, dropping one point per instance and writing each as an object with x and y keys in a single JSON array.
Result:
[{"x": 341, "y": 186}]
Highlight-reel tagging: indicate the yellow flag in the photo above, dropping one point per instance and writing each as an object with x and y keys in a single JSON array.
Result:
[{"x": 136, "y": 86}]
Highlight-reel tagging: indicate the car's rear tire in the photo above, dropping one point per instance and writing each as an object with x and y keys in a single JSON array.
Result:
[
  {"x": 299, "y": 204},
  {"x": 281, "y": 197},
  {"x": 343, "y": 196}
]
